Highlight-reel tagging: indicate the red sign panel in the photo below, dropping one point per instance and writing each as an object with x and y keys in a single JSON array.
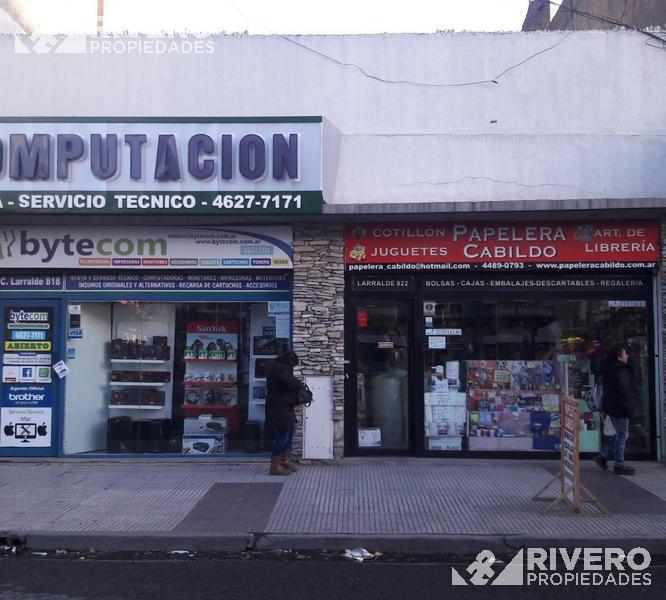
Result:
[{"x": 554, "y": 245}]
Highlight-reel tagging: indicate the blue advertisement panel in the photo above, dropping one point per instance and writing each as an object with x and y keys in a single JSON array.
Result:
[
  {"x": 26, "y": 401},
  {"x": 176, "y": 282},
  {"x": 26, "y": 395}
]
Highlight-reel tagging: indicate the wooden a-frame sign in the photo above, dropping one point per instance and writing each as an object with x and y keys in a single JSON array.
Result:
[{"x": 572, "y": 491}]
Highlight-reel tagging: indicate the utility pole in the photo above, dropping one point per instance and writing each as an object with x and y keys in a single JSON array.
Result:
[
  {"x": 16, "y": 11},
  {"x": 100, "y": 17}
]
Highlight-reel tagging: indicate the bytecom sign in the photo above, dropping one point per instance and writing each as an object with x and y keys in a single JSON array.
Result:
[{"x": 233, "y": 247}]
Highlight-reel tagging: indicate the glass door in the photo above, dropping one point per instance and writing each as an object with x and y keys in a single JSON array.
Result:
[{"x": 379, "y": 377}]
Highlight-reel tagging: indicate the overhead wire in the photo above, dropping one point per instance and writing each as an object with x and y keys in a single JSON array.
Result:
[
  {"x": 421, "y": 83},
  {"x": 609, "y": 20},
  {"x": 493, "y": 80}
]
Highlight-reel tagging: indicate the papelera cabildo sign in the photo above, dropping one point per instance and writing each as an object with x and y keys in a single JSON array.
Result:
[
  {"x": 545, "y": 245},
  {"x": 161, "y": 166}
]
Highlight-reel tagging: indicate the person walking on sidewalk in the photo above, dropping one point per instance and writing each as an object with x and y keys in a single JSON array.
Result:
[
  {"x": 618, "y": 403},
  {"x": 281, "y": 398}
]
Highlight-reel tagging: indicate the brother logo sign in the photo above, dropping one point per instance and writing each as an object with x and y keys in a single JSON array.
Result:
[{"x": 30, "y": 397}]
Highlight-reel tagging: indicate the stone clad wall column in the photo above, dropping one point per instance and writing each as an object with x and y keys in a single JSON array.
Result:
[{"x": 318, "y": 328}]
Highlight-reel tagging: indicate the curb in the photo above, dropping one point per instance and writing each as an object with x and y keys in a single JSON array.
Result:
[
  {"x": 454, "y": 545},
  {"x": 399, "y": 544},
  {"x": 430, "y": 545},
  {"x": 152, "y": 542}
]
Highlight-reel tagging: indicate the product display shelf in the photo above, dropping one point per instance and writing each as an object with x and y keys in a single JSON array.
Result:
[
  {"x": 134, "y": 407},
  {"x": 137, "y": 384},
  {"x": 209, "y": 360},
  {"x": 215, "y": 411},
  {"x": 221, "y": 384},
  {"x": 206, "y": 406},
  {"x": 145, "y": 361}
]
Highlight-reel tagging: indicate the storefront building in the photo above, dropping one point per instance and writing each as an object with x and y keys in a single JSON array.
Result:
[
  {"x": 451, "y": 247},
  {"x": 136, "y": 338},
  {"x": 464, "y": 337}
]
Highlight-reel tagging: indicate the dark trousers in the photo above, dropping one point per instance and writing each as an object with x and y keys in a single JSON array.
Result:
[
  {"x": 613, "y": 447},
  {"x": 282, "y": 442}
]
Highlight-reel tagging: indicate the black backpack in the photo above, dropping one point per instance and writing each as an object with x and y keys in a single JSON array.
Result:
[{"x": 304, "y": 396}]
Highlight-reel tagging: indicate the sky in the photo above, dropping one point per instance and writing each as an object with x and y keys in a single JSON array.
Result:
[{"x": 277, "y": 16}]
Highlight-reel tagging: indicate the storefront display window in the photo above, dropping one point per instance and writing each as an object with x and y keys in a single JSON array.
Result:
[
  {"x": 170, "y": 377},
  {"x": 495, "y": 371}
]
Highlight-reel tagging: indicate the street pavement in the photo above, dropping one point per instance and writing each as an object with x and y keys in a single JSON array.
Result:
[{"x": 401, "y": 505}]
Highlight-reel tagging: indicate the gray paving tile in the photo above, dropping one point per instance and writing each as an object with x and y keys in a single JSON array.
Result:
[
  {"x": 426, "y": 499},
  {"x": 373, "y": 497},
  {"x": 652, "y": 480}
]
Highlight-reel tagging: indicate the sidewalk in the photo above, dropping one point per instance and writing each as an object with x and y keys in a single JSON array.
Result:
[{"x": 448, "y": 506}]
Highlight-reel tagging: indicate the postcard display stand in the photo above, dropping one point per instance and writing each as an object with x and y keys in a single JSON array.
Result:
[
  {"x": 140, "y": 402},
  {"x": 507, "y": 405},
  {"x": 211, "y": 386},
  {"x": 514, "y": 405}
]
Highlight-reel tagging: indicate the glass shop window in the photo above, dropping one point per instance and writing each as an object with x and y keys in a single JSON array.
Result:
[
  {"x": 160, "y": 377},
  {"x": 496, "y": 371}
]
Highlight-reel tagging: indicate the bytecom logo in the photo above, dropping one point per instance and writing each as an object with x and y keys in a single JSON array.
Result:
[
  {"x": 559, "y": 566},
  {"x": 7, "y": 240},
  {"x": 46, "y": 249}
]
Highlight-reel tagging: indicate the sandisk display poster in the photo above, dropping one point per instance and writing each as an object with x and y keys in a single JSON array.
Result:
[{"x": 26, "y": 400}]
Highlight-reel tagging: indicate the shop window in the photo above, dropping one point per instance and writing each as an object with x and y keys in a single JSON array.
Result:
[
  {"x": 495, "y": 372},
  {"x": 381, "y": 382},
  {"x": 159, "y": 377}
]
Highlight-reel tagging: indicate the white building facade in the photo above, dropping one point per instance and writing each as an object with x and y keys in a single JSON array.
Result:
[{"x": 490, "y": 227}]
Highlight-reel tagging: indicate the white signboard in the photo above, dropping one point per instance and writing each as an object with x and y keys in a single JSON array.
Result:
[
  {"x": 26, "y": 358},
  {"x": 444, "y": 332},
  {"x": 215, "y": 247},
  {"x": 282, "y": 326},
  {"x": 24, "y": 427},
  {"x": 166, "y": 157},
  {"x": 370, "y": 437},
  {"x": 452, "y": 413},
  {"x": 10, "y": 374},
  {"x": 278, "y": 308},
  {"x": 626, "y": 303},
  {"x": 61, "y": 369},
  {"x": 437, "y": 343}
]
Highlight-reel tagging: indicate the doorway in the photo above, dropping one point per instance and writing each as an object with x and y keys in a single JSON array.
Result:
[{"x": 379, "y": 375}]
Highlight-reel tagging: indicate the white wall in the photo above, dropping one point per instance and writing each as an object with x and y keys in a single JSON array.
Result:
[
  {"x": 87, "y": 385},
  {"x": 585, "y": 119}
]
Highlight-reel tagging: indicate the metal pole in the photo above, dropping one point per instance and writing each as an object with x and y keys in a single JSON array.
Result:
[{"x": 100, "y": 17}]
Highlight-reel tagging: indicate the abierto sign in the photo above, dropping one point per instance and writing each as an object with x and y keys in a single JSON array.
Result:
[
  {"x": 494, "y": 246},
  {"x": 147, "y": 248},
  {"x": 153, "y": 166}
]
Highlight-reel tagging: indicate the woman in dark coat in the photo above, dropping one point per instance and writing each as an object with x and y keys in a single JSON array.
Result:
[
  {"x": 281, "y": 398},
  {"x": 618, "y": 403}
]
